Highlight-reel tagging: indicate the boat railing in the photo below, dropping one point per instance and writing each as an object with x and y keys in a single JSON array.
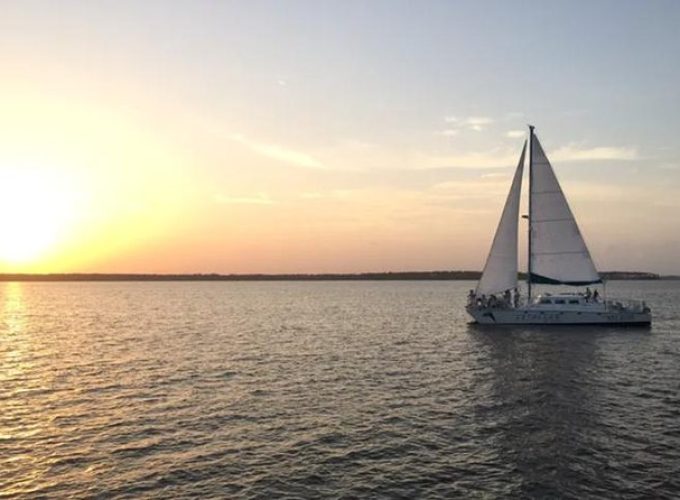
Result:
[
  {"x": 493, "y": 302},
  {"x": 638, "y": 306}
]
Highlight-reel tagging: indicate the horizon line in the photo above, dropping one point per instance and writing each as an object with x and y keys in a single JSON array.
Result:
[{"x": 440, "y": 275}]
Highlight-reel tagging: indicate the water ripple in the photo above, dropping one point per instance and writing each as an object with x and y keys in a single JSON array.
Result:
[{"x": 327, "y": 390}]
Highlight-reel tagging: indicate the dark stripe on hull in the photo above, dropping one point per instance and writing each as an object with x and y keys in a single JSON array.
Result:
[
  {"x": 559, "y": 318},
  {"x": 639, "y": 324}
]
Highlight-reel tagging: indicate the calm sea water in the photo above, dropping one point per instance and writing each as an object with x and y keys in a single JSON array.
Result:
[{"x": 328, "y": 390}]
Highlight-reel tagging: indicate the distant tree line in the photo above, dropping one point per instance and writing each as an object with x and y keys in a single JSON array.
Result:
[{"x": 385, "y": 276}]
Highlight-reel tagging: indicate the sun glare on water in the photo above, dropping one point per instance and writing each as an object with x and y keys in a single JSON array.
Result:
[{"x": 36, "y": 209}]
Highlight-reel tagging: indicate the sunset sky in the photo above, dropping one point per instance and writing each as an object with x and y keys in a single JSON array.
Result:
[{"x": 321, "y": 136}]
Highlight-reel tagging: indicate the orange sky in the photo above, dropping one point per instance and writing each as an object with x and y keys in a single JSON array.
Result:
[{"x": 207, "y": 137}]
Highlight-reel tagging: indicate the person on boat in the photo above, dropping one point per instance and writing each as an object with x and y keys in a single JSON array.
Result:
[
  {"x": 507, "y": 298},
  {"x": 481, "y": 301},
  {"x": 471, "y": 297},
  {"x": 596, "y": 296},
  {"x": 588, "y": 294},
  {"x": 515, "y": 298}
]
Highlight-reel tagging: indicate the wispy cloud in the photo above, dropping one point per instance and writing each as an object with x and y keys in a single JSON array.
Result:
[
  {"x": 473, "y": 160},
  {"x": 277, "y": 152},
  {"x": 476, "y": 123},
  {"x": 449, "y": 132},
  {"x": 573, "y": 152},
  {"x": 469, "y": 189},
  {"x": 514, "y": 134},
  {"x": 499, "y": 158},
  {"x": 259, "y": 199}
]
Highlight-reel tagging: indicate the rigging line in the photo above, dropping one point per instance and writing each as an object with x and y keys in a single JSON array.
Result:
[
  {"x": 561, "y": 253},
  {"x": 555, "y": 220}
]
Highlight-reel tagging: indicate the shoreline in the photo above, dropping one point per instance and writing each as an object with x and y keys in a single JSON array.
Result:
[{"x": 384, "y": 276}]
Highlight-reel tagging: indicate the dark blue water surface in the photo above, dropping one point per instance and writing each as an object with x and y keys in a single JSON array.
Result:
[{"x": 328, "y": 390}]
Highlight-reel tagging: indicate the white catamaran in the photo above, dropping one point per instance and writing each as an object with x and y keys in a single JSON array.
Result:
[{"x": 557, "y": 256}]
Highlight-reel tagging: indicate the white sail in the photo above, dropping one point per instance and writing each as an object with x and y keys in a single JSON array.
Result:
[
  {"x": 558, "y": 253},
  {"x": 500, "y": 271}
]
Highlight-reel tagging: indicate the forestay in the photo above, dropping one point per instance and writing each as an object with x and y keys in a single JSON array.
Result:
[
  {"x": 500, "y": 271},
  {"x": 558, "y": 253}
]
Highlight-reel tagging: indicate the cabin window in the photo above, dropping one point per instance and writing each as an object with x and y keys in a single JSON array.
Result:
[
  {"x": 559, "y": 301},
  {"x": 545, "y": 301},
  {"x": 573, "y": 301}
]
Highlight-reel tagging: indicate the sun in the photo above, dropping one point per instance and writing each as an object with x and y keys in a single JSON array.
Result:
[{"x": 36, "y": 208}]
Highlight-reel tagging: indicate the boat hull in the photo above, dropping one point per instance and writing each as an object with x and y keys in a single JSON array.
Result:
[{"x": 531, "y": 316}]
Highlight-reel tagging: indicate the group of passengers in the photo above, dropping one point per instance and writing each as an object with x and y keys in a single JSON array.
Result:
[
  {"x": 509, "y": 298},
  {"x": 592, "y": 296}
]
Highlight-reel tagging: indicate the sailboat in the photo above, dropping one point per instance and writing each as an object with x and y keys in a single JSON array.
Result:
[{"x": 557, "y": 255}]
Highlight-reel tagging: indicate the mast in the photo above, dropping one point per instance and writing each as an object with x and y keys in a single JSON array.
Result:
[{"x": 531, "y": 172}]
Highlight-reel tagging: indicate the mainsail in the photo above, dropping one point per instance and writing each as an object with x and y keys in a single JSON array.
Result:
[
  {"x": 558, "y": 253},
  {"x": 500, "y": 271}
]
